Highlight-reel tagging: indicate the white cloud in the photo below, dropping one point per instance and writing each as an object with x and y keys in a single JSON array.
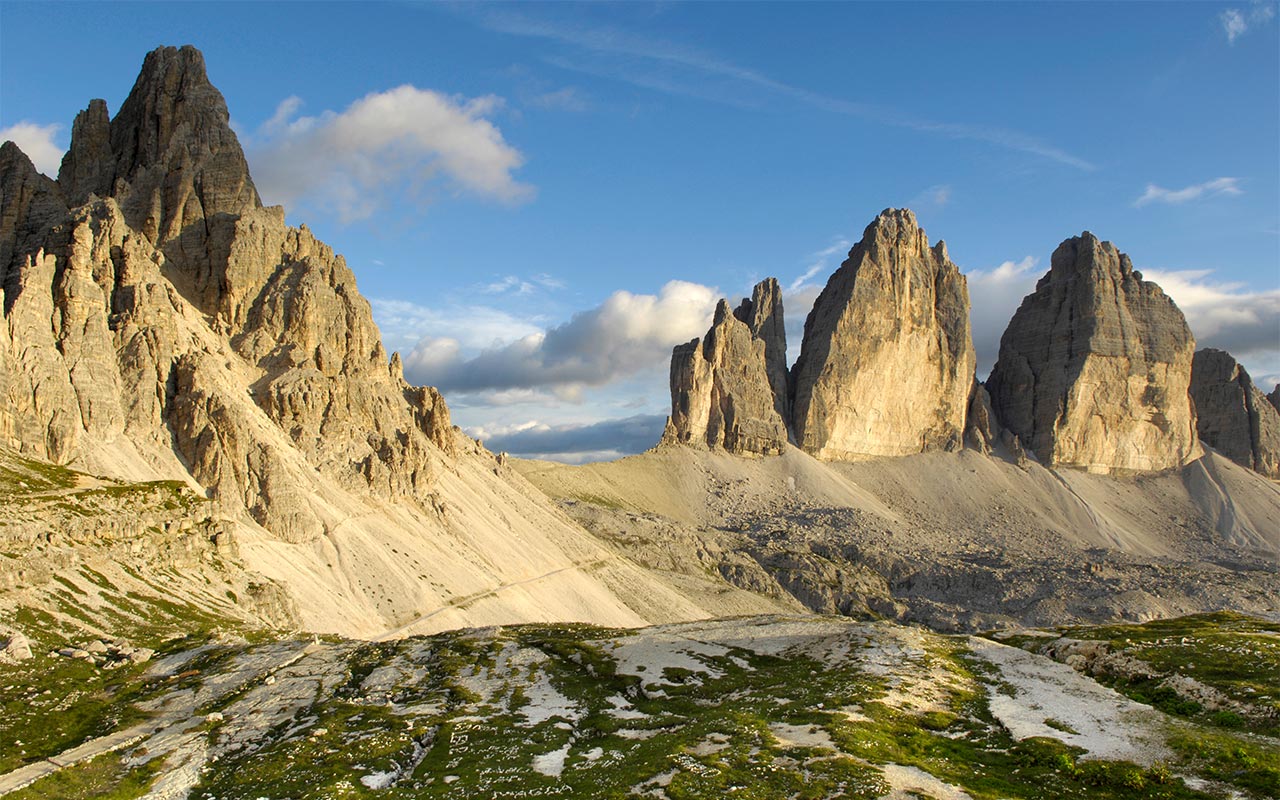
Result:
[
  {"x": 938, "y": 195},
  {"x": 471, "y": 327},
  {"x": 1217, "y": 186},
  {"x": 624, "y": 335},
  {"x": 514, "y": 284},
  {"x": 37, "y": 142},
  {"x": 819, "y": 262},
  {"x": 1237, "y": 22},
  {"x": 994, "y": 295},
  {"x": 566, "y": 99},
  {"x": 396, "y": 143},
  {"x": 1225, "y": 315}
]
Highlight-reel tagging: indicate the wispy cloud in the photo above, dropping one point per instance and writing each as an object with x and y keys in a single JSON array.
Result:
[
  {"x": 819, "y": 262},
  {"x": 37, "y": 141},
  {"x": 392, "y": 143},
  {"x": 568, "y": 98},
  {"x": 1236, "y": 22},
  {"x": 937, "y": 196},
  {"x": 642, "y": 53},
  {"x": 1159, "y": 194},
  {"x": 514, "y": 284}
]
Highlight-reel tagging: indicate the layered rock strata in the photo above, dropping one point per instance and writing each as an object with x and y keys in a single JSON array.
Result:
[
  {"x": 729, "y": 388},
  {"x": 1095, "y": 366},
  {"x": 886, "y": 366},
  {"x": 159, "y": 317},
  {"x": 1233, "y": 416}
]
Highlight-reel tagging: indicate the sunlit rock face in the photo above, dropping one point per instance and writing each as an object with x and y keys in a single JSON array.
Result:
[
  {"x": 886, "y": 365},
  {"x": 1233, "y": 416},
  {"x": 159, "y": 317},
  {"x": 1095, "y": 366},
  {"x": 729, "y": 388}
]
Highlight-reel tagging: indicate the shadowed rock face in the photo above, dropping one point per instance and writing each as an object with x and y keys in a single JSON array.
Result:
[
  {"x": 1274, "y": 397},
  {"x": 1094, "y": 368},
  {"x": 887, "y": 363},
  {"x": 728, "y": 389},
  {"x": 1232, "y": 415},
  {"x": 155, "y": 308}
]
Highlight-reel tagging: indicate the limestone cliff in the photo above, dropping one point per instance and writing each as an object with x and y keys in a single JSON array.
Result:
[
  {"x": 1232, "y": 414},
  {"x": 887, "y": 363},
  {"x": 160, "y": 323},
  {"x": 185, "y": 316},
  {"x": 1094, "y": 367},
  {"x": 728, "y": 389}
]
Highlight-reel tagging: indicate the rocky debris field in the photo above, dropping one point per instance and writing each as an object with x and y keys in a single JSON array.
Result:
[{"x": 759, "y": 707}]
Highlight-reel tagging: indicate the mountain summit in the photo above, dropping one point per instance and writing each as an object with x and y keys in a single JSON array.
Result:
[{"x": 160, "y": 323}]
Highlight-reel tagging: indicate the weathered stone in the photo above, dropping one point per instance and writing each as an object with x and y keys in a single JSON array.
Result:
[
  {"x": 1274, "y": 397},
  {"x": 16, "y": 649},
  {"x": 1232, "y": 414},
  {"x": 887, "y": 360},
  {"x": 762, "y": 312},
  {"x": 722, "y": 394},
  {"x": 89, "y": 166},
  {"x": 1095, "y": 365},
  {"x": 172, "y": 311},
  {"x": 981, "y": 431},
  {"x": 30, "y": 204}
]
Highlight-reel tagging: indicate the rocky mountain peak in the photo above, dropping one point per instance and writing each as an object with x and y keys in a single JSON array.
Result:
[
  {"x": 168, "y": 322},
  {"x": 1095, "y": 365},
  {"x": 728, "y": 389},
  {"x": 1232, "y": 414},
  {"x": 762, "y": 313},
  {"x": 886, "y": 365}
]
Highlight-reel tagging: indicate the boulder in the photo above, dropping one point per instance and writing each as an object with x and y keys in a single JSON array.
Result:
[{"x": 1095, "y": 366}]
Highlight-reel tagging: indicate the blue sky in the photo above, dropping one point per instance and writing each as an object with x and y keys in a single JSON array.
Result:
[{"x": 540, "y": 200}]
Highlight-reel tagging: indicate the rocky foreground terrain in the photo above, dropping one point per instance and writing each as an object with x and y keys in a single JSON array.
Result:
[
  {"x": 241, "y": 557},
  {"x": 758, "y": 707}
]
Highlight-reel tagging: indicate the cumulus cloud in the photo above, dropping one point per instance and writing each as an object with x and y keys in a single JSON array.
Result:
[
  {"x": 1217, "y": 186},
  {"x": 575, "y": 443},
  {"x": 624, "y": 335},
  {"x": 399, "y": 142},
  {"x": 1236, "y": 22},
  {"x": 1225, "y": 315},
  {"x": 994, "y": 295},
  {"x": 37, "y": 141}
]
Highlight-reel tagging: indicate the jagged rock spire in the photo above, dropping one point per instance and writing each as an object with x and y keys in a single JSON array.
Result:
[
  {"x": 1094, "y": 367},
  {"x": 1232, "y": 414},
  {"x": 886, "y": 365},
  {"x": 728, "y": 389}
]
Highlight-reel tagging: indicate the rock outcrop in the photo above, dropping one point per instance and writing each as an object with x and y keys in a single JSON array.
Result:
[
  {"x": 159, "y": 318},
  {"x": 1094, "y": 367},
  {"x": 729, "y": 389},
  {"x": 887, "y": 362},
  {"x": 1274, "y": 397},
  {"x": 1232, "y": 415}
]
